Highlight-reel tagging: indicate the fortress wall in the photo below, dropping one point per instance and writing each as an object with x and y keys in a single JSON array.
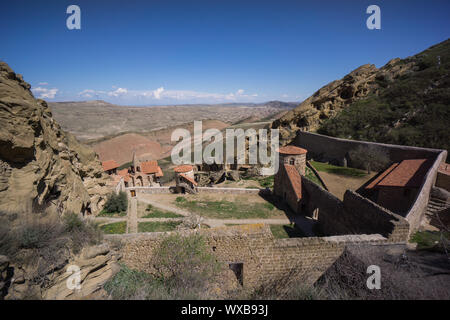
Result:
[
  {"x": 417, "y": 211},
  {"x": 316, "y": 197},
  {"x": 335, "y": 149},
  {"x": 263, "y": 257},
  {"x": 365, "y": 216}
]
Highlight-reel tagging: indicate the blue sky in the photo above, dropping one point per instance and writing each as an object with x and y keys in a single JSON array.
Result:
[{"x": 176, "y": 52}]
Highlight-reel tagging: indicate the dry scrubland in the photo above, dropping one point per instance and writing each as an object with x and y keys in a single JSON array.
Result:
[{"x": 98, "y": 119}]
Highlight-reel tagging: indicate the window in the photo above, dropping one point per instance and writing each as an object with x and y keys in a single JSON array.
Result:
[{"x": 292, "y": 161}]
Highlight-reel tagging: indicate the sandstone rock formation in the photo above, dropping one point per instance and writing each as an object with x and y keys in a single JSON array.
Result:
[
  {"x": 333, "y": 97},
  {"x": 42, "y": 167},
  {"x": 96, "y": 265}
]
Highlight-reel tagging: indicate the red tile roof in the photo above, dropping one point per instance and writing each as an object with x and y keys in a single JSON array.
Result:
[
  {"x": 295, "y": 179},
  {"x": 188, "y": 179},
  {"x": 160, "y": 172},
  {"x": 149, "y": 167},
  {"x": 109, "y": 165},
  {"x": 407, "y": 173},
  {"x": 123, "y": 172},
  {"x": 183, "y": 168},
  {"x": 381, "y": 176},
  {"x": 292, "y": 150}
]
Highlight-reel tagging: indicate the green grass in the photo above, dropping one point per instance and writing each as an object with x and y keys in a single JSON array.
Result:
[
  {"x": 343, "y": 171},
  {"x": 104, "y": 213},
  {"x": 311, "y": 176},
  {"x": 227, "y": 210},
  {"x": 285, "y": 231},
  {"x": 429, "y": 239},
  {"x": 153, "y": 212},
  {"x": 114, "y": 228},
  {"x": 157, "y": 226},
  {"x": 264, "y": 182}
]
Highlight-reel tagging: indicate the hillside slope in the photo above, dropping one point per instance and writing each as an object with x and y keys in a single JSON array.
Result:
[
  {"x": 404, "y": 102},
  {"x": 42, "y": 167}
]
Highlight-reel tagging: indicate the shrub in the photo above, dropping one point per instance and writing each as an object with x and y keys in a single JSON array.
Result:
[
  {"x": 81, "y": 232},
  {"x": 180, "y": 199},
  {"x": 183, "y": 270},
  {"x": 369, "y": 158},
  {"x": 116, "y": 202}
]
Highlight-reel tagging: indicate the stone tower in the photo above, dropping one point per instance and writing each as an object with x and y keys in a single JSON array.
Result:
[{"x": 294, "y": 156}]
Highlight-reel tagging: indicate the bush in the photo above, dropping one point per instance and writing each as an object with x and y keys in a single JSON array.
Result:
[
  {"x": 183, "y": 270},
  {"x": 81, "y": 232},
  {"x": 369, "y": 158},
  {"x": 180, "y": 199},
  {"x": 116, "y": 203}
]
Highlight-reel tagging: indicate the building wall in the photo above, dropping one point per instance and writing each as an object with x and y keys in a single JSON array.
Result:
[
  {"x": 283, "y": 189},
  {"x": 299, "y": 161},
  {"x": 396, "y": 199},
  {"x": 264, "y": 258}
]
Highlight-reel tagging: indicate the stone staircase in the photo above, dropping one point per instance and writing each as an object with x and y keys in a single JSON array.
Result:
[{"x": 437, "y": 203}]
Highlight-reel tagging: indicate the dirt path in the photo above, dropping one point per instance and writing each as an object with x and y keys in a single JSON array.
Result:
[
  {"x": 164, "y": 206},
  {"x": 338, "y": 184},
  {"x": 132, "y": 221}
]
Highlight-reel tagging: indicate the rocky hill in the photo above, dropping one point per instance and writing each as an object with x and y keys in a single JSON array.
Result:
[
  {"x": 404, "y": 102},
  {"x": 41, "y": 166}
]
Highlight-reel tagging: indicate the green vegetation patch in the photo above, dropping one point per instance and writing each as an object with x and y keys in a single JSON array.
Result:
[
  {"x": 152, "y": 212},
  {"x": 312, "y": 176},
  {"x": 105, "y": 213},
  {"x": 264, "y": 182},
  {"x": 343, "y": 171},
  {"x": 116, "y": 204},
  {"x": 226, "y": 209},
  {"x": 183, "y": 268},
  {"x": 158, "y": 226},
  {"x": 114, "y": 228},
  {"x": 285, "y": 231},
  {"x": 435, "y": 240}
]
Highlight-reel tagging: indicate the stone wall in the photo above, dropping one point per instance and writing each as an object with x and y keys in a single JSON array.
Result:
[
  {"x": 263, "y": 257},
  {"x": 317, "y": 198},
  {"x": 336, "y": 150},
  {"x": 332, "y": 149},
  {"x": 417, "y": 211},
  {"x": 156, "y": 190}
]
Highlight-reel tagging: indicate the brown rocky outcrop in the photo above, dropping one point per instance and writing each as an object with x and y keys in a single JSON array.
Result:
[
  {"x": 42, "y": 167},
  {"x": 96, "y": 265},
  {"x": 329, "y": 100}
]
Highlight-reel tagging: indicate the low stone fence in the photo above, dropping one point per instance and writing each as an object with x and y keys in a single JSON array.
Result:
[
  {"x": 262, "y": 257},
  {"x": 160, "y": 190}
]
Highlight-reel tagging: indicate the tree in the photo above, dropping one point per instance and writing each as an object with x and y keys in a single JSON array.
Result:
[{"x": 369, "y": 157}]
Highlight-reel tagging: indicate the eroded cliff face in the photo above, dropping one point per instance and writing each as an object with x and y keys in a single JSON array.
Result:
[
  {"x": 335, "y": 96},
  {"x": 42, "y": 167}
]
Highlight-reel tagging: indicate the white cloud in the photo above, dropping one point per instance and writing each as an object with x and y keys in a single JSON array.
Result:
[
  {"x": 157, "y": 93},
  {"x": 161, "y": 93},
  {"x": 43, "y": 83},
  {"x": 45, "y": 93},
  {"x": 118, "y": 92}
]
